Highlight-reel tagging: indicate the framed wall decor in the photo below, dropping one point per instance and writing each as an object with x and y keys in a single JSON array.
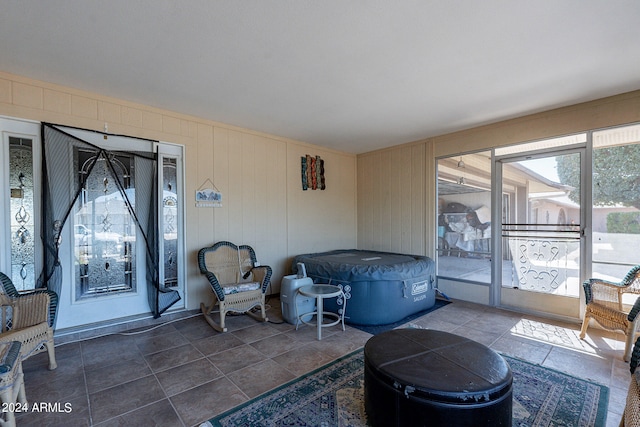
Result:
[
  {"x": 208, "y": 196},
  {"x": 312, "y": 173}
]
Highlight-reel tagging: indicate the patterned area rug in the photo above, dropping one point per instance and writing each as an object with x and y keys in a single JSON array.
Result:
[{"x": 333, "y": 396}]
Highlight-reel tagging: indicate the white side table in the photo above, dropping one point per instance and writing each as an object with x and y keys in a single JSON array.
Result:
[{"x": 320, "y": 292}]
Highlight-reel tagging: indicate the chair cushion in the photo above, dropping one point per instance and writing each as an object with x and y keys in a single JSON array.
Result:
[{"x": 234, "y": 288}]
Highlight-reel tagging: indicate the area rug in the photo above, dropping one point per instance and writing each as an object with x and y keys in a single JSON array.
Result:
[
  {"x": 333, "y": 395},
  {"x": 378, "y": 329}
]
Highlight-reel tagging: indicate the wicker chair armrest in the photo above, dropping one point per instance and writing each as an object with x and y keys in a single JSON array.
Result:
[
  {"x": 598, "y": 282},
  {"x": 5, "y": 299},
  {"x": 262, "y": 274},
  {"x": 31, "y": 310},
  {"x": 215, "y": 285},
  {"x": 634, "y": 311},
  {"x": 602, "y": 290}
]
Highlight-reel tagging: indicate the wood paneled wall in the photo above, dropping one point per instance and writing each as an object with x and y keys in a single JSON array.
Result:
[{"x": 392, "y": 199}]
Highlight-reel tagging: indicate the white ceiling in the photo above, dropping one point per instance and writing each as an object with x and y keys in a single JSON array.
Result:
[{"x": 345, "y": 74}]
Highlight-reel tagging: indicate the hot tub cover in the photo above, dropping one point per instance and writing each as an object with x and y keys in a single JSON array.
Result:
[
  {"x": 381, "y": 287},
  {"x": 357, "y": 265}
]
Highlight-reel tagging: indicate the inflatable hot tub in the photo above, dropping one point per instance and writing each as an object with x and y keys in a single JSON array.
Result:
[{"x": 380, "y": 287}]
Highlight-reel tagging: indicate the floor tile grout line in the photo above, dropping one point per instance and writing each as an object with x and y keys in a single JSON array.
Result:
[
  {"x": 153, "y": 373},
  {"x": 166, "y": 395},
  {"x": 135, "y": 409},
  {"x": 86, "y": 385}
]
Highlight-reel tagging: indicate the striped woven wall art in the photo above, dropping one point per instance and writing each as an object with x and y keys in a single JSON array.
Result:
[{"x": 312, "y": 173}]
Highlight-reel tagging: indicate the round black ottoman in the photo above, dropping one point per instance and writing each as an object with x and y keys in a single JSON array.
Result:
[{"x": 422, "y": 377}]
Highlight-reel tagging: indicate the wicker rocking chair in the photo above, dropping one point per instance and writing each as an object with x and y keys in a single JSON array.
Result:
[
  {"x": 28, "y": 317},
  {"x": 237, "y": 281},
  {"x": 604, "y": 305}
]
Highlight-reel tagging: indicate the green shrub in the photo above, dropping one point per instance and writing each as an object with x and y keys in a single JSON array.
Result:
[{"x": 623, "y": 222}]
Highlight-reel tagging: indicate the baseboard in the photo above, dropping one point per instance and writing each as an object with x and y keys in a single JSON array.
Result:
[{"x": 98, "y": 329}]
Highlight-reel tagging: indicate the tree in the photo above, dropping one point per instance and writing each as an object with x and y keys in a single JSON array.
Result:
[{"x": 616, "y": 175}]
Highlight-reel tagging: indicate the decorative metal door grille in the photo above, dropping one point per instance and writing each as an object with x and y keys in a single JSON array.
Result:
[{"x": 543, "y": 255}]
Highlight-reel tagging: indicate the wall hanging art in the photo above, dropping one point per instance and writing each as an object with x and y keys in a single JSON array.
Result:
[
  {"x": 208, "y": 196},
  {"x": 312, "y": 173}
]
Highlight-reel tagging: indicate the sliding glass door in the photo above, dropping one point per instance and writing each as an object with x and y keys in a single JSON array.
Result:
[
  {"x": 550, "y": 214},
  {"x": 541, "y": 232},
  {"x": 540, "y": 260}
]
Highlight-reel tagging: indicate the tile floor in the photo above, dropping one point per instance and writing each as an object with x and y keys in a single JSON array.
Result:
[{"x": 183, "y": 373}]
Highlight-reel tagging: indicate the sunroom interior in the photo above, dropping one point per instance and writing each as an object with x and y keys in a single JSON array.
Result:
[{"x": 517, "y": 206}]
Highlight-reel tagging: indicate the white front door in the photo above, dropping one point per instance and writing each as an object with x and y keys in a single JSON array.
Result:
[
  {"x": 106, "y": 251},
  {"x": 102, "y": 253}
]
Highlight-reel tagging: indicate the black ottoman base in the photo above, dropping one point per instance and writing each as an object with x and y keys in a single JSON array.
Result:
[
  {"x": 386, "y": 406},
  {"x": 416, "y": 377}
]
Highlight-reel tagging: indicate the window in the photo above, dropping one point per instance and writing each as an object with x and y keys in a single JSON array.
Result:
[
  {"x": 171, "y": 209},
  {"x": 104, "y": 230},
  {"x": 616, "y": 201},
  {"x": 464, "y": 217},
  {"x": 22, "y": 214}
]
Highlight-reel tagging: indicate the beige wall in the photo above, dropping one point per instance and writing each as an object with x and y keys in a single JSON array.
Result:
[
  {"x": 393, "y": 199},
  {"x": 258, "y": 175}
]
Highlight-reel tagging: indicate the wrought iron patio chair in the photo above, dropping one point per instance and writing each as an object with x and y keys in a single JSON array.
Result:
[
  {"x": 237, "y": 281},
  {"x": 604, "y": 305},
  {"x": 28, "y": 317}
]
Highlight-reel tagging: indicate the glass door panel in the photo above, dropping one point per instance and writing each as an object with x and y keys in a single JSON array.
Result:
[
  {"x": 20, "y": 248},
  {"x": 104, "y": 231},
  {"x": 464, "y": 218},
  {"x": 22, "y": 215},
  {"x": 541, "y": 230},
  {"x": 616, "y": 202},
  {"x": 171, "y": 223},
  {"x": 170, "y": 207}
]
